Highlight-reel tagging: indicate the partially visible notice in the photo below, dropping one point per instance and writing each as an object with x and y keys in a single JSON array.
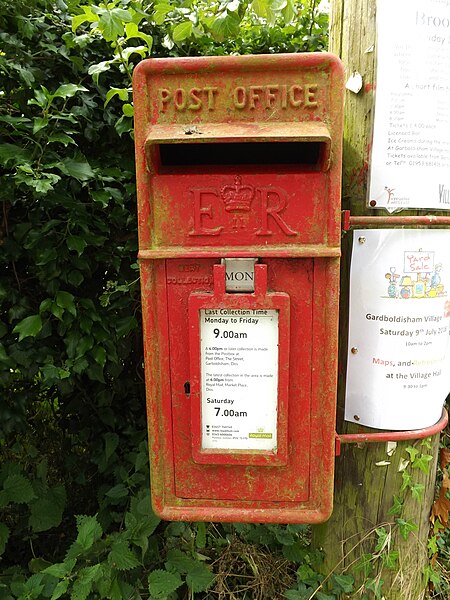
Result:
[
  {"x": 410, "y": 162},
  {"x": 398, "y": 370}
]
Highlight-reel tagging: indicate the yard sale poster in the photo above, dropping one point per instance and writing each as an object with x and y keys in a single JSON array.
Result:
[{"x": 398, "y": 370}]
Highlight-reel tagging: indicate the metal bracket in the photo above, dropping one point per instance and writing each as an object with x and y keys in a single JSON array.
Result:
[{"x": 391, "y": 436}]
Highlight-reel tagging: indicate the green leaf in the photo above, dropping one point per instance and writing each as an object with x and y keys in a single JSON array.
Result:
[
  {"x": 121, "y": 557},
  {"x": 47, "y": 510},
  {"x": 118, "y": 491},
  {"x": 284, "y": 537},
  {"x": 199, "y": 578},
  {"x": 390, "y": 559},
  {"x": 182, "y": 31},
  {"x": 96, "y": 70},
  {"x": 407, "y": 480},
  {"x": 65, "y": 300},
  {"x": 179, "y": 561},
  {"x": 88, "y": 16},
  {"x": 123, "y": 94},
  {"x": 374, "y": 585},
  {"x": 417, "y": 490},
  {"x": 60, "y": 589},
  {"x": 161, "y": 10},
  {"x": 422, "y": 463},
  {"x": 82, "y": 585},
  {"x": 99, "y": 354},
  {"x": 60, "y": 570},
  {"x": 111, "y": 23},
  {"x": 413, "y": 452},
  {"x": 39, "y": 123},
  {"x": 200, "y": 538},
  {"x": 344, "y": 583},
  {"x": 67, "y": 90},
  {"x": 18, "y": 489},
  {"x": 89, "y": 531},
  {"x": 28, "y": 327},
  {"x": 295, "y": 553},
  {"x": 4, "y": 535},
  {"x": 77, "y": 243},
  {"x": 162, "y": 583},
  {"x": 132, "y": 31},
  {"x": 226, "y": 25},
  {"x": 61, "y": 138},
  {"x": 128, "y": 110},
  {"x": 396, "y": 507},
  {"x": 12, "y": 153},
  {"x": 405, "y": 527},
  {"x": 79, "y": 169}
]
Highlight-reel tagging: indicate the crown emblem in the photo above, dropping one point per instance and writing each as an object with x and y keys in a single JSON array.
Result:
[{"x": 237, "y": 197}]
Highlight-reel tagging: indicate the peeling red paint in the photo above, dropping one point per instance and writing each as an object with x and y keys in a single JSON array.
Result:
[{"x": 240, "y": 157}]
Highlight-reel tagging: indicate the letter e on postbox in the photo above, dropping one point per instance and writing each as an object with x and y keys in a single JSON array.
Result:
[{"x": 238, "y": 178}]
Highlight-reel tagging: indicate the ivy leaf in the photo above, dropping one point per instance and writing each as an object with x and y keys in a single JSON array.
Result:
[
  {"x": 66, "y": 301},
  {"x": 405, "y": 527},
  {"x": 67, "y": 90},
  {"x": 199, "y": 578},
  {"x": 123, "y": 94},
  {"x": 111, "y": 23},
  {"x": 182, "y": 31},
  {"x": 97, "y": 69},
  {"x": 79, "y": 169},
  {"x": 18, "y": 489},
  {"x": 344, "y": 583},
  {"x": 132, "y": 31},
  {"x": 128, "y": 110},
  {"x": 417, "y": 491},
  {"x": 422, "y": 463},
  {"x": 162, "y": 583},
  {"x": 161, "y": 10},
  {"x": 413, "y": 452},
  {"x": 28, "y": 327},
  {"x": 396, "y": 507},
  {"x": 77, "y": 243},
  {"x": 407, "y": 480},
  {"x": 226, "y": 25}
]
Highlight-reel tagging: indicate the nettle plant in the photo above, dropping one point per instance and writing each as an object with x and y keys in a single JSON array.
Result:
[{"x": 75, "y": 516}]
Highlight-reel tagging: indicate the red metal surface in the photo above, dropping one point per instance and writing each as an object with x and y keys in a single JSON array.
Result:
[
  {"x": 395, "y": 436},
  {"x": 399, "y": 220},
  {"x": 240, "y": 157}
]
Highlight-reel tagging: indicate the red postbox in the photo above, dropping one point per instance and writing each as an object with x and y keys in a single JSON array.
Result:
[{"x": 238, "y": 171}]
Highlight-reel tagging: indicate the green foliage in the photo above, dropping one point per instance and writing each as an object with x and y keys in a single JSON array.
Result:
[{"x": 72, "y": 418}]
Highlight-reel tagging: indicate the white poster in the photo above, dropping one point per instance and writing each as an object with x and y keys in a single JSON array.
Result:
[
  {"x": 410, "y": 162},
  {"x": 398, "y": 372},
  {"x": 239, "y": 378}
]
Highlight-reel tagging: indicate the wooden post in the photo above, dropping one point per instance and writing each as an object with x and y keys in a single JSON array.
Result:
[{"x": 365, "y": 536}]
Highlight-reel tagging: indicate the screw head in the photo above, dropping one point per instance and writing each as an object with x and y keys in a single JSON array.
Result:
[
  {"x": 362, "y": 239},
  {"x": 354, "y": 350}
]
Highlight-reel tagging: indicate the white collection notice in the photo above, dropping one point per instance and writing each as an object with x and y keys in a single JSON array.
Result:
[
  {"x": 239, "y": 378},
  {"x": 410, "y": 162},
  {"x": 399, "y": 353}
]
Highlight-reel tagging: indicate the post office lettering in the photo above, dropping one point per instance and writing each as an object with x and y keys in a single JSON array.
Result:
[{"x": 251, "y": 97}]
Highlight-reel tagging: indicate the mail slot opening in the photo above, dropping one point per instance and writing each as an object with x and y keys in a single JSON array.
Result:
[{"x": 307, "y": 155}]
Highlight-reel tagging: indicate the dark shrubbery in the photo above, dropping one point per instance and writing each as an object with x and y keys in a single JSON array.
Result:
[{"x": 72, "y": 408}]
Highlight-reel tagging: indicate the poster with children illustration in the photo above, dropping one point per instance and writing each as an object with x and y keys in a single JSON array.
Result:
[{"x": 398, "y": 369}]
